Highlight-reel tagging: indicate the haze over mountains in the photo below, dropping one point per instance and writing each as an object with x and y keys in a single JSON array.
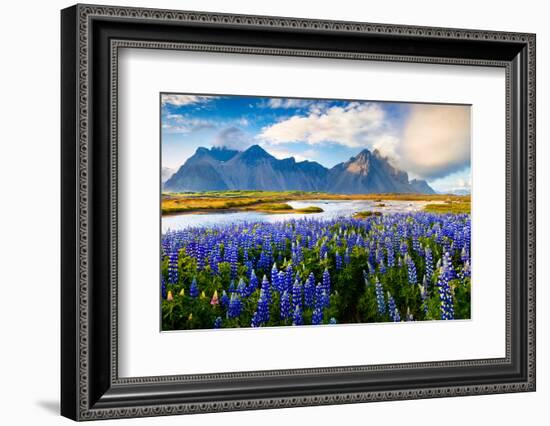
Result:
[{"x": 255, "y": 169}]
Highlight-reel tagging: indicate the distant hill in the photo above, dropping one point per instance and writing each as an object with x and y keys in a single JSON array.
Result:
[{"x": 256, "y": 169}]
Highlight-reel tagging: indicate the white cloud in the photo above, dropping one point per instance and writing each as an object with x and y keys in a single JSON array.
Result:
[
  {"x": 175, "y": 123},
  {"x": 436, "y": 140},
  {"x": 233, "y": 138},
  {"x": 281, "y": 154},
  {"x": 276, "y": 103},
  {"x": 356, "y": 125},
  {"x": 180, "y": 100}
]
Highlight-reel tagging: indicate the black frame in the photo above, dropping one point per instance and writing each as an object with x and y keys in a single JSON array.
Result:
[{"x": 91, "y": 37}]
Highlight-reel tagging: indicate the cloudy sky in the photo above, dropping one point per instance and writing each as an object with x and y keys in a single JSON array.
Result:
[{"x": 428, "y": 141}]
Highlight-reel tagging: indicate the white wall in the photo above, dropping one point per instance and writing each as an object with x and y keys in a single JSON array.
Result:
[{"x": 29, "y": 212}]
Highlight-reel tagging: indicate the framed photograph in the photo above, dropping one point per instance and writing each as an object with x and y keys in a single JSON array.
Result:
[{"x": 263, "y": 212}]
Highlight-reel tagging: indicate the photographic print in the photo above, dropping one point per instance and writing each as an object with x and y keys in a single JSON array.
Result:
[{"x": 312, "y": 212}]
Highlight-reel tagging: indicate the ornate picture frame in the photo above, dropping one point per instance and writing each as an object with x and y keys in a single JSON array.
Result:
[{"x": 91, "y": 38}]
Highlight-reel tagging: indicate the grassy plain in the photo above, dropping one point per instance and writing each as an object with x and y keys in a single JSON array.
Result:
[{"x": 277, "y": 201}]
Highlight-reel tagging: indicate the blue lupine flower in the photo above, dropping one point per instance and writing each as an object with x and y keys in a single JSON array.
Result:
[
  {"x": 163, "y": 287},
  {"x": 296, "y": 294},
  {"x": 445, "y": 295},
  {"x": 347, "y": 257},
  {"x": 253, "y": 283},
  {"x": 411, "y": 270},
  {"x": 428, "y": 260},
  {"x": 266, "y": 288},
  {"x": 424, "y": 294},
  {"x": 317, "y": 316},
  {"x": 326, "y": 281},
  {"x": 323, "y": 251},
  {"x": 288, "y": 278},
  {"x": 285, "y": 306},
  {"x": 309, "y": 291},
  {"x": 235, "y": 306},
  {"x": 200, "y": 256},
  {"x": 332, "y": 320},
  {"x": 338, "y": 260},
  {"x": 275, "y": 279},
  {"x": 403, "y": 248},
  {"x": 173, "y": 267},
  {"x": 218, "y": 322},
  {"x": 224, "y": 300},
  {"x": 233, "y": 261},
  {"x": 263, "y": 307},
  {"x": 297, "y": 318},
  {"x": 380, "y": 301},
  {"x": 392, "y": 309},
  {"x": 390, "y": 253},
  {"x": 242, "y": 288},
  {"x": 194, "y": 288}
]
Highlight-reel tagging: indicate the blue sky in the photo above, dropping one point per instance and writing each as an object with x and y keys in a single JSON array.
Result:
[{"x": 431, "y": 142}]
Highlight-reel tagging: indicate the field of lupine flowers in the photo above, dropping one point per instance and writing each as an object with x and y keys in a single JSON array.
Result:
[{"x": 393, "y": 267}]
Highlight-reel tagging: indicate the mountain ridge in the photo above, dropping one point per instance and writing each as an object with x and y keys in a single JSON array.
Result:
[{"x": 256, "y": 169}]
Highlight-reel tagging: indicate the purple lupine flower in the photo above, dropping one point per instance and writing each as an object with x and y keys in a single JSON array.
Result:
[
  {"x": 218, "y": 322},
  {"x": 390, "y": 253},
  {"x": 200, "y": 256},
  {"x": 224, "y": 300},
  {"x": 163, "y": 287},
  {"x": 403, "y": 248},
  {"x": 464, "y": 255},
  {"x": 466, "y": 269},
  {"x": 411, "y": 270},
  {"x": 235, "y": 306},
  {"x": 445, "y": 295},
  {"x": 382, "y": 266},
  {"x": 326, "y": 281},
  {"x": 253, "y": 283},
  {"x": 233, "y": 258},
  {"x": 447, "y": 264},
  {"x": 214, "y": 262},
  {"x": 173, "y": 267},
  {"x": 285, "y": 306},
  {"x": 194, "y": 288},
  {"x": 428, "y": 260},
  {"x": 263, "y": 308},
  {"x": 323, "y": 251},
  {"x": 275, "y": 278},
  {"x": 332, "y": 320},
  {"x": 338, "y": 260},
  {"x": 255, "y": 320},
  {"x": 317, "y": 316},
  {"x": 380, "y": 301},
  {"x": 309, "y": 291},
  {"x": 424, "y": 294},
  {"x": 242, "y": 289},
  {"x": 263, "y": 262},
  {"x": 297, "y": 318},
  {"x": 392, "y": 309},
  {"x": 296, "y": 294},
  {"x": 416, "y": 244},
  {"x": 288, "y": 278},
  {"x": 266, "y": 288}
]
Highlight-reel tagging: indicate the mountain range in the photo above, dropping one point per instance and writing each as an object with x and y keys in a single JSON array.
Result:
[{"x": 256, "y": 169}]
